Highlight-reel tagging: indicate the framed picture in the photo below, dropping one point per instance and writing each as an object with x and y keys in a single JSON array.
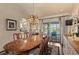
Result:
[
  {"x": 69, "y": 22},
  {"x": 11, "y": 24}
]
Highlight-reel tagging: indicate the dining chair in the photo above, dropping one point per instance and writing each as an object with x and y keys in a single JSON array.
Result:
[
  {"x": 38, "y": 50},
  {"x": 17, "y": 36},
  {"x": 46, "y": 45}
]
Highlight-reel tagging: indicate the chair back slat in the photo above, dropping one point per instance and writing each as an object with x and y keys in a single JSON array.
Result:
[{"x": 20, "y": 36}]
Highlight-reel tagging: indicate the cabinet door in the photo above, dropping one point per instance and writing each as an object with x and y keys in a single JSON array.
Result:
[
  {"x": 65, "y": 47},
  {"x": 68, "y": 49},
  {"x": 73, "y": 52}
]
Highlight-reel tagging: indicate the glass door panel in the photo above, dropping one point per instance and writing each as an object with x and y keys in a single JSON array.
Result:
[
  {"x": 54, "y": 31},
  {"x": 52, "y": 28},
  {"x": 58, "y": 31}
]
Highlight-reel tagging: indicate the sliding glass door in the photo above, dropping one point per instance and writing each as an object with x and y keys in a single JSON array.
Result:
[{"x": 52, "y": 29}]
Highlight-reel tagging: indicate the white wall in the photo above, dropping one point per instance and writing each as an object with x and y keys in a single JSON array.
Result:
[
  {"x": 75, "y": 11},
  {"x": 10, "y": 11}
]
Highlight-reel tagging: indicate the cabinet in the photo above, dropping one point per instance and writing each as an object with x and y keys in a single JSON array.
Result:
[{"x": 68, "y": 49}]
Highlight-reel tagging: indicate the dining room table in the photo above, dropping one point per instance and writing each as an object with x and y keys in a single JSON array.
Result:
[{"x": 21, "y": 45}]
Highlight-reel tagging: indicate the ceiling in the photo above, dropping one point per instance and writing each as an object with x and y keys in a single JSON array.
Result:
[{"x": 46, "y": 9}]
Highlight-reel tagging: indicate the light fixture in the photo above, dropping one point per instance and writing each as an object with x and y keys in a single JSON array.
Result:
[
  {"x": 33, "y": 19},
  {"x": 32, "y": 24}
]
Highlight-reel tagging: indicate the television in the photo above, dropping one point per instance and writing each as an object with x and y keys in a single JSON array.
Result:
[{"x": 69, "y": 22}]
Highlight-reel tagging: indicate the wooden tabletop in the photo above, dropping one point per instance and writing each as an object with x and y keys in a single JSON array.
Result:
[{"x": 23, "y": 45}]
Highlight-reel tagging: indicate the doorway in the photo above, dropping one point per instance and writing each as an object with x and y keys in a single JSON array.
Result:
[{"x": 52, "y": 29}]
